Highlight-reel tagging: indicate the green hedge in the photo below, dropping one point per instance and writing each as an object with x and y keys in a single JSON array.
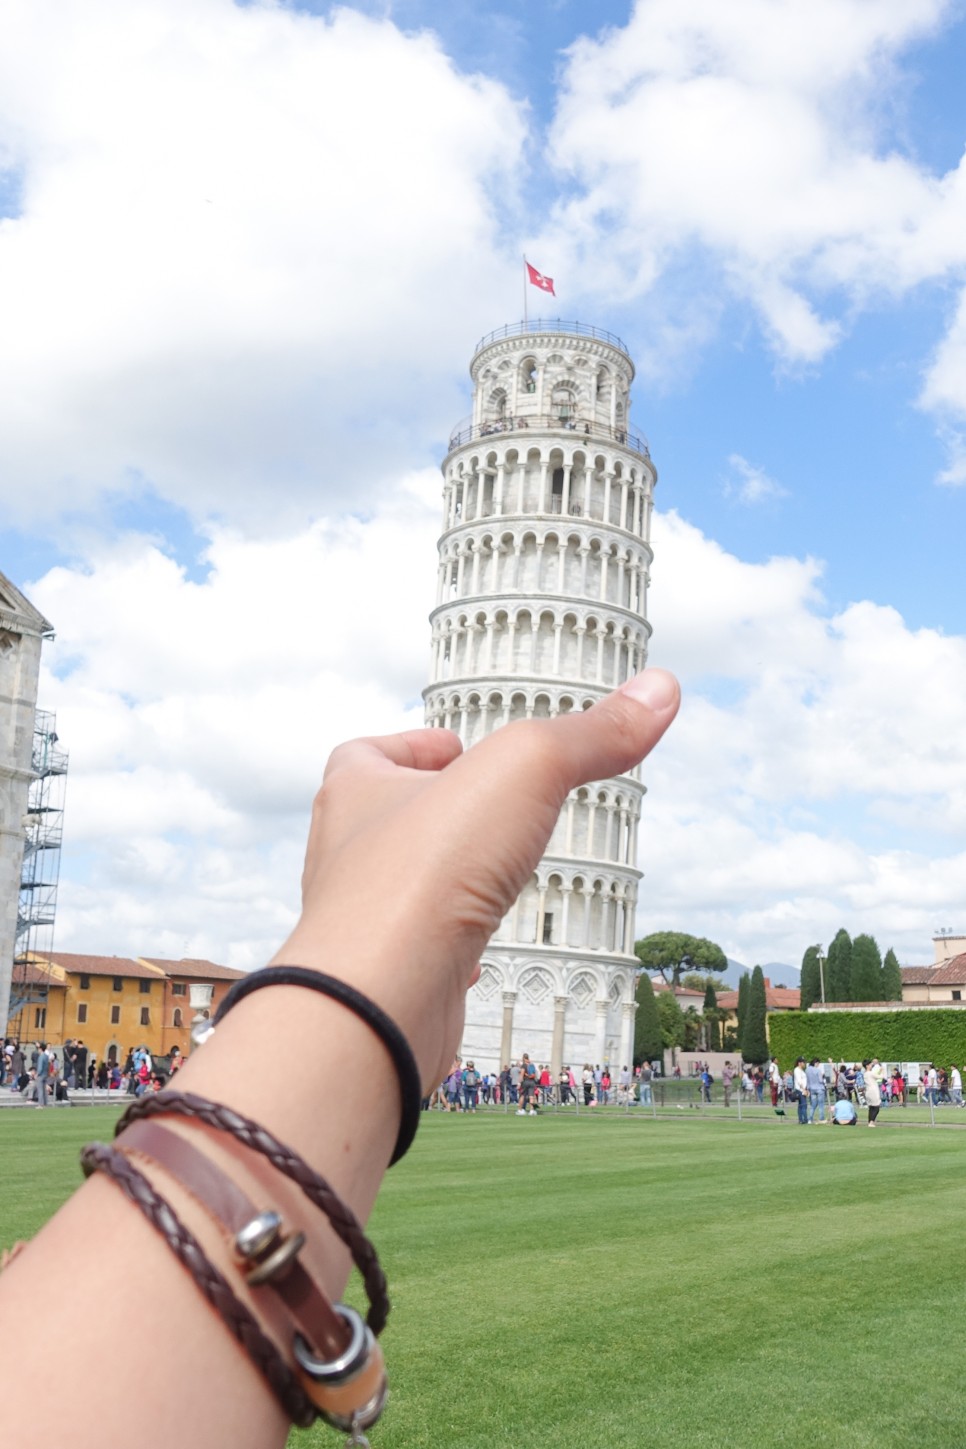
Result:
[{"x": 852, "y": 1036}]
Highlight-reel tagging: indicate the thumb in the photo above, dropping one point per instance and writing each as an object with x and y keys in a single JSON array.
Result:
[
  {"x": 535, "y": 763},
  {"x": 616, "y": 734}
]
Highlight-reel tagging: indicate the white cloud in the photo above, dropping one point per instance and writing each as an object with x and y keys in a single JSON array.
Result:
[
  {"x": 252, "y": 244},
  {"x": 816, "y": 776},
  {"x": 944, "y": 391},
  {"x": 199, "y": 716},
  {"x": 759, "y": 137},
  {"x": 751, "y": 485}
]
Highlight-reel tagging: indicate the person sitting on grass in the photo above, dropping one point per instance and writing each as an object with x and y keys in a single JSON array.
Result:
[{"x": 843, "y": 1113}]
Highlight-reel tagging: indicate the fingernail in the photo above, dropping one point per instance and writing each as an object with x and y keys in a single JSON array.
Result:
[{"x": 655, "y": 688}]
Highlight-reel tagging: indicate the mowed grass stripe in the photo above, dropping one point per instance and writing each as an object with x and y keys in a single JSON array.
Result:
[{"x": 618, "y": 1280}]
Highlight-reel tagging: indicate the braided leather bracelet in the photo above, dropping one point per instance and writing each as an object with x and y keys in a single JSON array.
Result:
[
  {"x": 410, "y": 1087},
  {"x": 339, "y": 1363},
  {"x": 241, "y": 1323},
  {"x": 319, "y": 1192}
]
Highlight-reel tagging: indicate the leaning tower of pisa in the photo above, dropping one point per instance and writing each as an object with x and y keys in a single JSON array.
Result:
[{"x": 541, "y": 609}]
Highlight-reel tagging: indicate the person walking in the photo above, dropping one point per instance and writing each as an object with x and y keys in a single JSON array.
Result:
[
  {"x": 815, "y": 1078},
  {"x": 647, "y": 1076},
  {"x": 800, "y": 1084},
  {"x": 873, "y": 1096},
  {"x": 43, "y": 1071},
  {"x": 774, "y": 1080}
]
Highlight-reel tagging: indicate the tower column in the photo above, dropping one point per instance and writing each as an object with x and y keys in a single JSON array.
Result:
[
  {"x": 628, "y": 1013},
  {"x": 506, "y": 1035},
  {"x": 600, "y": 1032},
  {"x": 566, "y": 891},
  {"x": 556, "y": 1049},
  {"x": 630, "y": 902}
]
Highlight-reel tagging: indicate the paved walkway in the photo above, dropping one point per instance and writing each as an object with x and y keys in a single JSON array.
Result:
[{"x": 79, "y": 1097}]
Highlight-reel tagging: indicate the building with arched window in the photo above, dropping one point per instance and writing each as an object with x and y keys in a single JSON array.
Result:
[{"x": 541, "y": 609}]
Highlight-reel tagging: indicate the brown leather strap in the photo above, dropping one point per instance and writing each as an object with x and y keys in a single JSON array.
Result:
[
  {"x": 291, "y": 1302},
  {"x": 255, "y": 1137},
  {"x": 240, "y": 1322}
]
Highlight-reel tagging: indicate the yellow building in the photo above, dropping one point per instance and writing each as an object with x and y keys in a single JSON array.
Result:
[{"x": 114, "y": 1003}]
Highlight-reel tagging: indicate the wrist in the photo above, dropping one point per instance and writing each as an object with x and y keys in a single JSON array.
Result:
[{"x": 426, "y": 1004}]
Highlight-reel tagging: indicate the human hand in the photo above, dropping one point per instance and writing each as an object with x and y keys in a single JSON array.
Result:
[{"x": 417, "y": 850}]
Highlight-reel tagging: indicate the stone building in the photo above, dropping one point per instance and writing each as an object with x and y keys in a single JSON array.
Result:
[
  {"x": 22, "y": 632},
  {"x": 544, "y": 564}
]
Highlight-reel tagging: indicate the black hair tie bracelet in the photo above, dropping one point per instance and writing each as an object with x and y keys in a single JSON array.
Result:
[{"x": 410, "y": 1087}]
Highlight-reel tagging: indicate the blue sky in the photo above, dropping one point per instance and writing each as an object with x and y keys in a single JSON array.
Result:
[{"x": 236, "y": 337}]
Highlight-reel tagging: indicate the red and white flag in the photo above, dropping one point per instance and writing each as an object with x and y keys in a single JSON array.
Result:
[{"x": 539, "y": 280}]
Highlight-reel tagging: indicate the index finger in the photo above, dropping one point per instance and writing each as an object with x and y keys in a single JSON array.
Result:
[{"x": 412, "y": 749}]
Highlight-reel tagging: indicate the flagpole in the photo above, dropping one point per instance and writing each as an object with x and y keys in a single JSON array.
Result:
[{"x": 524, "y": 291}]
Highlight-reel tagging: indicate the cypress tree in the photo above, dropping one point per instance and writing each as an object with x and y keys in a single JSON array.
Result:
[
  {"x": 743, "y": 985},
  {"x": 891, "y": 977},
  {"x": 866, "y": 980},
  {"x": 811, "y": 978},
  {"x": 838, "y": 968},
  {"x": 754, "y": 1046},
  {"x": 648, "y": 1042},
  {"x": 712, "y": 1018}
]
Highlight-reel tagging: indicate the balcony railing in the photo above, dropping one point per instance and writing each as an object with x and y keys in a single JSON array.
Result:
[
  {"x": 542, "y": 324},
  {"x": 582, "y": 427}
]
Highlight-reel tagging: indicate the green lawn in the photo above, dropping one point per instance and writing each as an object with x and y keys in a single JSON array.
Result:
[{"x": 690, "y": 1282}]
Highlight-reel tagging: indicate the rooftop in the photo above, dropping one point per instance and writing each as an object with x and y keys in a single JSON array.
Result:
[
  {"x": 194, "y": 969},
  {"x": 950, "y": 973},
  {"x": 81, "y": 965}
]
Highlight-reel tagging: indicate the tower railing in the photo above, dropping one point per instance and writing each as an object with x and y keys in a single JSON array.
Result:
[
  {"x": 555, "y": 324},
  {"x": 581, "y": 427}
]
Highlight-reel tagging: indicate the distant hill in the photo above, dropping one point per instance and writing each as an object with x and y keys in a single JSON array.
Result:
[{"x": 778, "y": 973}]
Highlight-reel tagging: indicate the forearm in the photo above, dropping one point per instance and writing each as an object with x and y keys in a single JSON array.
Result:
[{"x": 172, "y": 1362}]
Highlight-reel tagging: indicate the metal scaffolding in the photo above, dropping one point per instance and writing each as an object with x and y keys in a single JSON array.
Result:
[{"x": 37, "y": 907}]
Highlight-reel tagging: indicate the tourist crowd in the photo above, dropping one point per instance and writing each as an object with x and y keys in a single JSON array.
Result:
[
  {"x": 528, "y": 1086},
  {"x": 821, "y": 1091},
  {"x": 40, "y": 1073}
]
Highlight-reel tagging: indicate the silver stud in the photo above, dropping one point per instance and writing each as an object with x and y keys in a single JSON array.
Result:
[{"x": 264, "y": 1251}]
